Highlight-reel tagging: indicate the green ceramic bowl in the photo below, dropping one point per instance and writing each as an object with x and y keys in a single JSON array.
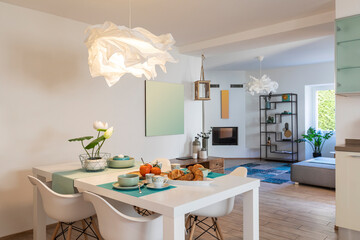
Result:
[
  {"x": 121, "y": 163},
  {"x": 205, "y": 171},
  {"x": 128, "y": 180}
]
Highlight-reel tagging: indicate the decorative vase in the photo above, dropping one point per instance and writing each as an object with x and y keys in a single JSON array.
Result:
[
  {"x": 205, "y": 144},
  {"x": 267, "y": 105},
  {"x": 316, "y": 154},
  {"x": 94, "y": 164},
  {"x": 196, "y": 146}
]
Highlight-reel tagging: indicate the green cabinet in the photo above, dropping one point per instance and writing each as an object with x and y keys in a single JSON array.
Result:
[{"x": 348, "y": 55}]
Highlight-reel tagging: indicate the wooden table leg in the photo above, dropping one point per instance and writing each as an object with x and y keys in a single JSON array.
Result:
[
  {"x": 39, "y": 218},
  {"x": 174, "y": 227},
  {"x": 251, "y": 214}
]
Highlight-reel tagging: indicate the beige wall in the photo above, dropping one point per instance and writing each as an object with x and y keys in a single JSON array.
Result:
[{"x": 47, "y": 96}]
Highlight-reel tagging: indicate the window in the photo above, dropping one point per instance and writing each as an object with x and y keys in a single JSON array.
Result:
[{"x": 325, "y": 110}]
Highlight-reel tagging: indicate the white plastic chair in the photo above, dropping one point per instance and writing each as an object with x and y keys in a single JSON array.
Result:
[
  {"x": 166, "y": 165},
  {"x": 115, "y": 225},
  {"x": 213, "y": 211},
  {"x": 66, "y": 209}
]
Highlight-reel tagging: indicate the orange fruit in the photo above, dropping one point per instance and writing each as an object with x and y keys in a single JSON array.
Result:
[
  {"x": 156, "y": 170},
  {"x": 144, "y": 169}
]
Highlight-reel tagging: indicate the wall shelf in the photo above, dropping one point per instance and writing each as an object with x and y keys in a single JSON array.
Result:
[{"x": 281, "y": 148}]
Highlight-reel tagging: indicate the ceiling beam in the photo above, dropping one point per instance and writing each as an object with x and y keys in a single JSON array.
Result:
[{"x": 257, "y": 33}]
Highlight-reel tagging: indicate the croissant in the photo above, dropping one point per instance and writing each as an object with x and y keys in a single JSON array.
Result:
[
  {"x": 186, "y": 177},
  {"x": 195, "y": 167},
  {"x": 198, "y": 175},
  {"x": 175, "y": 174}
]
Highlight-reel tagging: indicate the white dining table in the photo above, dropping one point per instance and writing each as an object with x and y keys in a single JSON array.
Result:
[{"x": 173, "y": 204}]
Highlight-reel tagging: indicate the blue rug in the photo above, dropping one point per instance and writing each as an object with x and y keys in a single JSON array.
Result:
[{"x": 271, "y": 172}]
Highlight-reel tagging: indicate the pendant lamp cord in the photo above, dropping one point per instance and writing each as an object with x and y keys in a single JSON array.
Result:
[
  {"x": 202, "y": 74},
  {"x": 260, "y": 68},
  {"x": 130, "y": 14}
]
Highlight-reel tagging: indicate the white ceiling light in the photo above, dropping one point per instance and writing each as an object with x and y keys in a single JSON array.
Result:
[
  {"x": 261, "y": 85},
  {"x": 117, "y": 50}
]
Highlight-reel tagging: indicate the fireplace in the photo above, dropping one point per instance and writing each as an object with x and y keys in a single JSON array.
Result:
[{"x": 225, "y": 136}]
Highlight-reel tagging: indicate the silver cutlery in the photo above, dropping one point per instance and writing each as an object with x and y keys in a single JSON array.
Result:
[{"x": 139, "y": 189}]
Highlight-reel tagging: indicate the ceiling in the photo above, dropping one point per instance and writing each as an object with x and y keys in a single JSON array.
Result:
[{"x": 213, "y": 27}]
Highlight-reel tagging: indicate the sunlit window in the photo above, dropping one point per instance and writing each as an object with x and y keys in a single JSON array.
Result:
[{"x": 325, "y": 100}]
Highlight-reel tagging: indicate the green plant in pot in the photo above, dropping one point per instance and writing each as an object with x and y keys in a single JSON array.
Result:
[
  {"x": 93, "y": 159},
  {"x": 316, "y": 139}
]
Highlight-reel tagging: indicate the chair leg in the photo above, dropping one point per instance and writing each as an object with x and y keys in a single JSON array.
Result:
[
  {"x": 69, "y": 232},
  {"x": 218, "y": 229},
  {"x": 187, "y": 223},
  {"x": 56, "y": 231},
  {"x": 95, "y": 228},
  {"x": 193, "y": 229},
  {"x": 84, "y": 228}
]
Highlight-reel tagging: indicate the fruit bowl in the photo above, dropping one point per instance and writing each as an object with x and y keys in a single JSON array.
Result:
[{"x": 121, "y": 164}]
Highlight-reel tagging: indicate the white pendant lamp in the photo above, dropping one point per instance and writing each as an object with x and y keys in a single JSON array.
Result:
[
  {"x": 261, "y": 85},
  {"x": 117, "y": 50}
]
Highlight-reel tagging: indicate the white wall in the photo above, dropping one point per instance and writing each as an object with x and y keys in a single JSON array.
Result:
[
  {"x": 47, "y": 96},
  {"x": 294, "y": 80},
  {"x": 236, "y": 112},
  {"x": 347, "y": 113}
]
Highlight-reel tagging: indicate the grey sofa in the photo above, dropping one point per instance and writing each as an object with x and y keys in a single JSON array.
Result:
[{"x": 318, "y": 172}]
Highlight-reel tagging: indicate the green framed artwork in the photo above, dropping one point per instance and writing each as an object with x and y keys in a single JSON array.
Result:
[{"x": 164, "y": 108}]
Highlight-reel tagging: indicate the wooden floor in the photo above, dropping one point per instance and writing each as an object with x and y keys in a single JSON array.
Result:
[{"x": 287, "y": 211}]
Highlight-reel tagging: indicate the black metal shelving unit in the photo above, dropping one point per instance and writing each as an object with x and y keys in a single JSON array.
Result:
[{"x": 280, "y": 149}]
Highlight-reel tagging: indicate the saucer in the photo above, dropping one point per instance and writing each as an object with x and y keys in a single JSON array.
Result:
[
  {"x": 117, "y": 186},
  {"x": 151, "y": 185}
]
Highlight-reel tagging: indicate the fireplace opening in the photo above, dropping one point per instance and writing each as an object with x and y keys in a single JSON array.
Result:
[{"x": 225, "y": 136}]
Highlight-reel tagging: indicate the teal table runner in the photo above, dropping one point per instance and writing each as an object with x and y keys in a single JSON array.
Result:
[
  {"x": 215, "y": 175},
  {"x": 135, "y": 192},
  {"x": 63, "y": 182}
]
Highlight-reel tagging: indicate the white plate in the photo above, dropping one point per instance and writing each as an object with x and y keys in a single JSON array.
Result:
[
  {"x": 117, "y": 186},
  {"x": 205, "y": 182},
  {"x": 151, "y": 185}
]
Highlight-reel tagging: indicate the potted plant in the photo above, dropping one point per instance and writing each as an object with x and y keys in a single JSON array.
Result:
[
  {"x": 93, "y": 159},
  {"x": 205, "y": 137},
  {"x": 316, "y": 139}
]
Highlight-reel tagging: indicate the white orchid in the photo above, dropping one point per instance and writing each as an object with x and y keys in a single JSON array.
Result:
[
  {"x": 100, "y": 125},
  {"x": 264, "y": 85},
  {"x": 108, "y": 133}
]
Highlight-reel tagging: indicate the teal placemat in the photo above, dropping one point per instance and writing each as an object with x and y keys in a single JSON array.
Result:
[
  {"x": 135, "y": 192},
  {"x": 63, "y": 182},
  {"x": 215, "y": 175}
]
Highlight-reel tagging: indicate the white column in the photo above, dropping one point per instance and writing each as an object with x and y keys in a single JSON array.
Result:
[
  {"x": 251, "y": 214},
  {"x": 39, "y": 219},
  {"x": 174, "y": 227}
]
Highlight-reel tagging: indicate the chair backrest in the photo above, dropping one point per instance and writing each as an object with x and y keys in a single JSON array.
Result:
[
  {"x": 64, "y": 208},
  {"x": 240, "y": 171},
  {"x": 115, "y": 225},
  {"x": 166, "y": 165},
  {"x": 224, "y": 207}
]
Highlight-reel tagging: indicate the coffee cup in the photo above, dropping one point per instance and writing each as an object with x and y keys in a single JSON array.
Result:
[
  {"x": 159, "y": 181},
  {"x": 175, "y": 166},
  {"x": 148, "y": 177}
]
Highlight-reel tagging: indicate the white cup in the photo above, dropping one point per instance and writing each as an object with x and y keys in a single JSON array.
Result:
[
  {"x": 195, "y": 155},
  {"x": 159, "y": 181},
  {"x": 148, "y": 177},
  {"x": 175, "y": 166}
]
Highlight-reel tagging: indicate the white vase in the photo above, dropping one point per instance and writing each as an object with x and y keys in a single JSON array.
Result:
[{"x": 93, "y": 165}]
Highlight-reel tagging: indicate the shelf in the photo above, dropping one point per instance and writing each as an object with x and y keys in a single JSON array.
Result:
[
  {"x": 283, "y": 152},
  {"x": 267, "y": 109},
  {"x": 346, "y": 41},
  {"x": 268, "y": 123},
  {"x": 345, "y": 68}
]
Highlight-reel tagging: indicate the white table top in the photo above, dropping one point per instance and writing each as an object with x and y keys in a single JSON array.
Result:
[{"x": 173, "y": 202}]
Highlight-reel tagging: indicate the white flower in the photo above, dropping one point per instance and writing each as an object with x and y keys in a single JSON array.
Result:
[
  {"x": 108, "y": 132},
  {"x": 100, "y": 125}
]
